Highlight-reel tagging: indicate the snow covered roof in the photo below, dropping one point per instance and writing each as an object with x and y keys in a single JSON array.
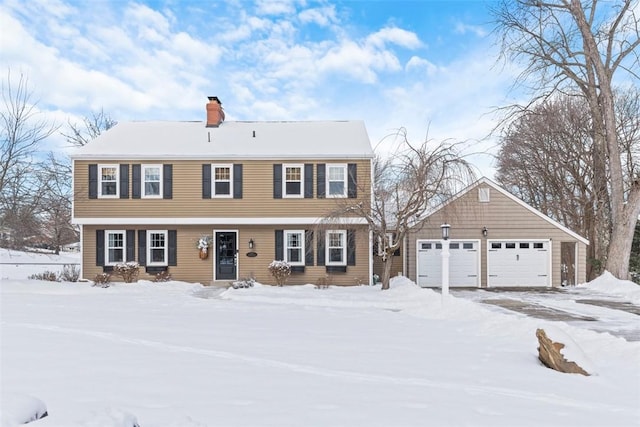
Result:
[{"x": 249, "y": 140}]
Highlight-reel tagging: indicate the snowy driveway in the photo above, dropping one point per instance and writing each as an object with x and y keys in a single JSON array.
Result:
[{"x": 578, "y": 306}]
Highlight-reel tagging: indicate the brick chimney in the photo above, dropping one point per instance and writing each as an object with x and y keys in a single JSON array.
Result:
[{"x": 215, "y": 113}]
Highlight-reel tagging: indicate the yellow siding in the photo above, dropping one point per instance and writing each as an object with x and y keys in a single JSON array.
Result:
[
  {"x": 504, "y": 219},
  {"x": 187, "y": 198},
  {"x": 191, "y": 268}
]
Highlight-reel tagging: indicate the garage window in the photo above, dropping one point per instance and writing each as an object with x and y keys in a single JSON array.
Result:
[
  {"x": 538, "y": 245},
  {"x": 438, "y": 245},
  {"x": 454, "y": 245},
  {"x": 524, "y": 246},
  {"x": 510, "y": 245},
  {"x": 467, "y": 246},
  {"x": 425, "y": 245},
  {"x": 496, "y": 245}
]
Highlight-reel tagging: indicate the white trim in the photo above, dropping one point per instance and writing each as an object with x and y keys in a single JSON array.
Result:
[
  {"x": 217, "y": 221},
  {"x": 117, "y": 180},
  {"x": 327, "y": 248},
  {"x": 107, "y": 261},
  {"x": 345, "y": 180},
  {"x": 284, "y": 180},
  {"x": 213, "y": 180},
  {"x": 223, "y": 157},
  {"x": 371, "y": 258},
  {"x": 143, "y": 182},
  {"x": 82, "y": 252},
  {"x": 215, "y": 251},
  {"x": 302, "y": 248},
  {"x": 166, "y": 248}
]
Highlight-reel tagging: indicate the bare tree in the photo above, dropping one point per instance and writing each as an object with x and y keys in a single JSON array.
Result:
[
  {"x": 91, "y": 127},
  {"x": 406, "y": 184},
  {"x": 22, "y": 130},
  {"x": 546, "y": 159},
  {"x": 575, "y": 47}
]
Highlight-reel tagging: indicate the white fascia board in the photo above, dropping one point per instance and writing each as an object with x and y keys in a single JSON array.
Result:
[
  {"x": 217, "y": 157},
  {"x": 218, "y": 221}
]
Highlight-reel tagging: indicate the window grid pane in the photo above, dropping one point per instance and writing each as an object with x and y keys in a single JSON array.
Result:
[
  {"x": 157, "y": 244},
  {"x": 336, "y": 247},
  {"x": 108, "y": 181},
  {"x": 115, "y": 248}
]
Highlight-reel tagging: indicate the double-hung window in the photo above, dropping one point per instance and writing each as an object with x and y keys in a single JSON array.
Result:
[
  {"x": 293, "y": 177},
  {"x": 336, "y": 180},
  {"x": 115, "y": 244},
  {"x": 108, "y": 176},
  {"x": 294, "y": 247},
  {"x": 152, "y": 176},
  {"x": 384, "y": 244},
  {"x": 157, "y": 245},
  {"x": 222, "y": 179},
  {"x": 336, "y": 247}
]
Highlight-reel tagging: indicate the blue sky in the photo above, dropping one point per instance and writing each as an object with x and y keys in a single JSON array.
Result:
[{"x": 423, "y": 65}]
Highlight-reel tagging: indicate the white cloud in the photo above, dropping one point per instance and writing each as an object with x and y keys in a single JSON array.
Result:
[
  {"x": 421, "y": 64},
  {"x": 275, "y": 7},
  {"x": 462, "y": 28},
  {"x": 323, "y": 16},
  {"x": 396, "y": 36}
]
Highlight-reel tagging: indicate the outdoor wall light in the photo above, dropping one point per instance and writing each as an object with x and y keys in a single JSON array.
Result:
[
  {"x": 445, "y": 231},
  {"x": 485, "y": 231},
  {"x": 251, "y": 243}
]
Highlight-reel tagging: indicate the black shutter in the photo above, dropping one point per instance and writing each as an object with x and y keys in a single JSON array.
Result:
[
  {"x": 397, "y": 251},
  {"x": 320, "y": 180},
  {"x": 100, "y": 247},
  {"x": 279, "y": 245},
  {"x": 351, "y": 247},
  {"x": 93, "y": 181},
  {"x": 131, "y": 245},
  {"x": 237, "y": 181},
  {"x": 167, "y": 181},
  {"x": 277, "y": 181},
  {"x": 173, "y": 247},
  {"x": 206, "y": 181},
  {"x": 136, "y": 179},
  {"x": 352, "y": 191},
  {"x": 142, "y": 247},
  {"x": 308, "y": 244},
  {"x": 308, "y": 181},
  {"x": 320, "y": 245},
  {"x": 124, "y": 181}
]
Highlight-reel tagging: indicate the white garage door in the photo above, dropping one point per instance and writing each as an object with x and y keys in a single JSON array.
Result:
[
  {"x": 518, "y": 263},
  {"x": 463, "y": 263}
]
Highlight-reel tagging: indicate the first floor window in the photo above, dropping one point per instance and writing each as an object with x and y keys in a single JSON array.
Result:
[
  {"x": 152, "y": 180},
  {"x": 384, "y": 244},
  {"x": 115, "y": 247},
  {"x": 293, "y": 177},
  {"x": 222, "y": 180},
  {"x": 294, "y": 247},
  {"x": 108, "y": 176},
  {"x": 336, "y": 247},
  {"x": 157, "y": 247}
]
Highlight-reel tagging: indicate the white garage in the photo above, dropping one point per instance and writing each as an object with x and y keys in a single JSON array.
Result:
[
  {"x": 464, "y": 263},
  {"x": 518, "y": 263}
]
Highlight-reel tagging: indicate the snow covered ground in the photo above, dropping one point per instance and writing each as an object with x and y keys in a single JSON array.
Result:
[{"x": 177, "y": 354}]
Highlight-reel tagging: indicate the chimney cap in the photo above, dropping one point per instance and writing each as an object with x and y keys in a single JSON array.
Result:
[{"x": 214, "y": 98}]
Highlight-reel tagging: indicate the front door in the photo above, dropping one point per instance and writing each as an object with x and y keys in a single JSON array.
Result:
[{"x": 226, "y": 256}]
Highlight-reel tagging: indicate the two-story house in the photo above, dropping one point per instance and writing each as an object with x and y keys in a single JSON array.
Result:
[{"x": 258, "y": 191}]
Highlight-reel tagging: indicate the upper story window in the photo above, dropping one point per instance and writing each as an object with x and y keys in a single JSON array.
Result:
[
  {"x": 293, "y": 177},
  {"x": 222, "y": 178},
  {"x": 336, "y": 245},
  {"x": 108, "y": 176},
  {"x": 152, "y": 176},
  {"x": 294, "y": 249},
  {"x": 157, "y": 247},
  {"x": 484, "y": 194},
  {"x": 115, "y": 244},
  {"x": 336, "y": 180}
]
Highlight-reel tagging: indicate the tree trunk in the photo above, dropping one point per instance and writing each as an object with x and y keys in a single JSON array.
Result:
[
  {"x": 386, "y": 272},
  {"x": 622, "y": 239}
]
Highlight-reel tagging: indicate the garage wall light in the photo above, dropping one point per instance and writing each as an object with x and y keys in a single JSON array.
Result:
[
  {"x": 445, "y": 231},
  {"x": 485, "y": 231}
]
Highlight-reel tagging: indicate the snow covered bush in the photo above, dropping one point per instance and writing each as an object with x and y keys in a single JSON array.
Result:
[
  {"x": 102, "y": 280},
  {"x": 280, "y": 270},
  {"x": 163, "y": 276},
  {"x": 50, "y": 276},
  {"x": 128, "y": 271},
  {"x": 70, "y": 273},
  {"x": 244, "y": 283}
]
